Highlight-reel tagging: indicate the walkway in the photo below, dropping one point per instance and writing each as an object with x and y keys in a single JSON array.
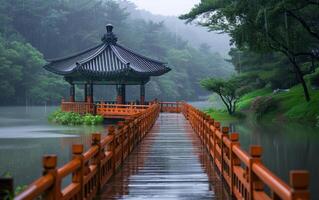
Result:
[{"x": 169, "y": 163}]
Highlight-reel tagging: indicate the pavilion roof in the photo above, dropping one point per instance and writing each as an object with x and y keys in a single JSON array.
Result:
[{"x": 107, "y": 60}]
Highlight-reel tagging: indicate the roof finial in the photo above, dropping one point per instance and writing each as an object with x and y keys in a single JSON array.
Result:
[
  {"x": 109, "y": 37},
  {"x": 109, "y": 28}
]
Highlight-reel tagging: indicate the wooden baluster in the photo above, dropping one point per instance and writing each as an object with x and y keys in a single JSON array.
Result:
[
  {"x": 49, "y": 167},
  {"x": 254, "y": 182},
  {"x": 299, "y": 181},
  {"x": 234, "y": 161},
  {"x": 217, "y": 128},
  {"x": 210, "y": 138},
  {"x": 112, "y": 147},
  {"x": 225, "y": 131},
  {"x": 96, "y": 141},
  {"x": 78, "y": 175},
  {"x": 120, "y": 135}
]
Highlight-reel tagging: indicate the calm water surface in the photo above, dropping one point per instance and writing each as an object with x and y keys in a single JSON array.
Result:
[{"x": 26, "y": 135}]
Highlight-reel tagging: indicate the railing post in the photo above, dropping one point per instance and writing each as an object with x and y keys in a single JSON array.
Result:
[
  {"x": 225, "y": 131},
  {"x": 78, "y": 175},
  {"x": 120, "y": 133},
  {"x": 234, "y": 138},
  {"x": 217, "y": 128},
  {"x": 210, "y": 136},
  {"x": 49, "y": 167},
  {"x": 96, "y": 141},
  {"x": 299, "y": 181},
  {"x": 6, "y": 188},
  {"x": 254, "y": 182},
  {"x": 111, "y": 132}
]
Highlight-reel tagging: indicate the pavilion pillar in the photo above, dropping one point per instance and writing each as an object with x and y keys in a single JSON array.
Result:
[
  {"x": 123, "y": 93},
  {"x": 72, "y": 93},
  {"x": 90, "y": 93},
  {"x": 119, "y": 97},
  {"x": 85, "y": 92},
  {"x": 142, "y": 94}
]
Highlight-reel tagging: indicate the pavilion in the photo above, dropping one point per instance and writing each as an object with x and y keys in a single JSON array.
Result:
[{"x": 108, "y": 63}]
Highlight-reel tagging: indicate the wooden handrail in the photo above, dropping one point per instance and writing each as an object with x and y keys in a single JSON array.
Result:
[
  {"x": 92, "y": 169},
  {"x": 243, "y": 172}
]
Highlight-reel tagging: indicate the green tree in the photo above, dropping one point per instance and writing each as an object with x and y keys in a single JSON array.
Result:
[
  {"x": 264, "y": 26},
  {"x": 226, "y": 90}
]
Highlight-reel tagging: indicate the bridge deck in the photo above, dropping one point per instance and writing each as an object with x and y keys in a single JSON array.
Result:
[{"x": 170, "y": 163}]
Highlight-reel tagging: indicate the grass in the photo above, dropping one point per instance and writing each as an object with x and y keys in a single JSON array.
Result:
[
  {"x": 291, "y": 105},
  {"x": 222, "y": 115},
  {"x": 246, "y": 100}
]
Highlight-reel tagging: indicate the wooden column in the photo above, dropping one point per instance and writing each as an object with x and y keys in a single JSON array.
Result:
[
  {"x": 119, "y": 94},
  {"x": 90, "y": 93},
  {"x": 142, "y": 94},
  {"x": 123, "y": 94},
  {"x": 85, "y": 92},
  {"x": 72, "y": 93}
]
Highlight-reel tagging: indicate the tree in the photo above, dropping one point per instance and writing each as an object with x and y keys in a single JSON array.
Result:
[
  {"x": 226, "y": 89},
  {"x": 264, "y": 26}
]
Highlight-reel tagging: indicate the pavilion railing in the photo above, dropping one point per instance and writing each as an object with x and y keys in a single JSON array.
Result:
[
  {"x": 78, "y": 107},
  {"x": 104, "y": 109},
  {"x": 171, "y": 107},
  {"x": 90, "y": 170},
  {"x": 245, "y": 174}
]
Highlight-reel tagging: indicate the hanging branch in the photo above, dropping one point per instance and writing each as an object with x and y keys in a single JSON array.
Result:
[{"x": 303, "y": 23}]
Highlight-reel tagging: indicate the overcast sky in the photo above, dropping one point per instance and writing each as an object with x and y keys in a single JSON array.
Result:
[{"x": 166, "y": 7}]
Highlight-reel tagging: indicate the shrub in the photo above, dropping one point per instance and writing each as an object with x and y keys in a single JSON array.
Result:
[
  {"x": 262, "y": 105},
  {"x": 70, "y": 118},
  {"x": 317, "y": 121}
]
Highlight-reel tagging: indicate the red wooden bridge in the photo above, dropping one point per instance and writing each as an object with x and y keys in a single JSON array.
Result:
[{"x": 165, "y": 151}]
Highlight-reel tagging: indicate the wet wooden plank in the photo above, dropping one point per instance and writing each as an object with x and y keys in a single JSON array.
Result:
[{"x": 170, "y": 163}]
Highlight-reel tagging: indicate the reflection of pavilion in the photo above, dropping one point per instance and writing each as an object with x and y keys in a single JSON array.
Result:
[{"x": 105, "y": 64}]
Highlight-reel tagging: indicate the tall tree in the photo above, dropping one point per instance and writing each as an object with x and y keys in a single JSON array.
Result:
[{"x": 262, "y": 26}]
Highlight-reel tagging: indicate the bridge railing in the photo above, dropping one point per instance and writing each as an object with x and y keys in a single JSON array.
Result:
[
  {"x": 244, "y": 173},
  {"x": 171, "y": 107},
  {"x": 90, "y": 170}
]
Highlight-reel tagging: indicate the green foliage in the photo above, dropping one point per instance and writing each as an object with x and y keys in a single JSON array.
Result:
[
  {"x": 245, "y": 101},
  {"x": 262, "y": 105},
  {"x": 289, "y": 105},
  {"x": 70, "y": 118},
  {"x": 226, "y": 89},
  {"x": 267, "y": 27}
]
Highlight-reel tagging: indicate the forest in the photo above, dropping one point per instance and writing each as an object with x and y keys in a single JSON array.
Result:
[
  {"x": 34, "y": 30},
  {"x": 275, "y": 51}
]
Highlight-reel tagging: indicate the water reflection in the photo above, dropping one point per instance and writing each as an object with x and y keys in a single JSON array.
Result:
[
  {"x": 287, "y": 146},
  {"x": 26, "y": 135}
]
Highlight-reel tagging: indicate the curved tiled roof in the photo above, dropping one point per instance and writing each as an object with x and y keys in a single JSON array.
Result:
[{"x": 107, "y": 59}]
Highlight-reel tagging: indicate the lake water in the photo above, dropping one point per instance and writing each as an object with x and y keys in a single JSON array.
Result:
[{"x": 26, "y": 135}]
